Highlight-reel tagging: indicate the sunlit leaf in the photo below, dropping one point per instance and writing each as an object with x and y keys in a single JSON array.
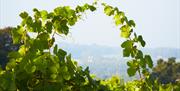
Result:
[
  {"x": 125, "y": 31},
  {"x": 44, "y": 14},
  {"x": 108, "y": 10}
]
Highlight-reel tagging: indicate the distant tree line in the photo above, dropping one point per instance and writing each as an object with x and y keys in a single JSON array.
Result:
[
  {"x": 167, "y": 71},
  {"x": 6, "y": 45}
]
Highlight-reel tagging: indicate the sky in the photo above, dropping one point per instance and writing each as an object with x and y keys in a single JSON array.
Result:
[{"x": 157, "y": 20}]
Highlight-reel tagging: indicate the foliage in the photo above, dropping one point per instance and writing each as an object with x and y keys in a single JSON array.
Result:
[
  {"x": 35, "y": 68},
  {"x": 139, "y": 61}
]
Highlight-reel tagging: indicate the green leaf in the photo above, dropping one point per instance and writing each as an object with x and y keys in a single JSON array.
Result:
[
  {"x": 30, "y": 68},
  {"x": 134, "y": 51},
  {"x": 55, "y": 51},
  {"x": 64, "y": 68},
  {"x": 142, "y": 63},
  {"x": 44, "y": 14},
  {"x": 53, "y": 69},
  {"x": 149, "y": 61},
  {"x": 29, "y": 21},
  {"x": 61, "y": 54},
  {"x": 37, "y": 14},
  {"x": 17, "y": 34},
  {"x": 37, "y": 26},
  {"x": 22, "y": 50},
  {"x": 126, "y": 52},
  {"x": 23, "y": 15},
  {"x": 53, "y": 76},
  {"x": 50, "y": 15},
  {"x": 130, "y": 63},
  {"x": 33, "y": 69},
  {"x": 72, "y": 21},
  {"x": 131, "y": 23},
  {"x": 61, "y": 27},
  {"x": 140, "y": 39},
  {"x": 40, "y": 44},
  {"x": 108, "y": 10},
  {"x": 139, "y": 54},
  {"x": 51, "y": 42},
  {"x": 119, "y": 18},
  {"x": 125, "y": 28},
  {"x": 79, "y": 9},
  {"x": 48, "y": 26},
  {"x": 35, "y": 10},
  {"x": 61, "y": 11},
  {"x": 14, "y": 54},
  {"x": 118, "y": 22},
  {"x": 125, "y": 31},
  {"x": 66, "y": 76},
  {"x": 11, "y": 64},
  {"x": 92, "y": 8},
  {"x": 127, "y": 44},
  {"x": 131, "y": 71},
  {"x": 43, "y": 36},
  {"x": 125, "y": 34}
]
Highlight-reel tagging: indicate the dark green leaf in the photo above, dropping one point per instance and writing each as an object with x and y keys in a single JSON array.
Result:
[
  {"x": 92, "y": 8},
  {"x": 79, "y": 9},
  {"x": 51, "y": 42},
  {"x": 55, "y": 49},
  {"x": 131, "y": 71},
  {"x": 139, "y": 54},
  {"x": 149, "y": 61},
  {"x": 48, "y": 26},
  {"x": 126, "y": 52},
  {"x": 14, "y": 54},
  {"x": 131, "y": 23},
  {"x": 61, "y": 27},
  {"x": 35, "y": 10},
  {"x": 140, "y": 39},
  {"x": 23, "y": 15},
  {"x": 37, "y": 14},
  {"x": 61, "y": 54},
  {"x": 43, "y": 36},
  {"x": 142, "y": 63}
]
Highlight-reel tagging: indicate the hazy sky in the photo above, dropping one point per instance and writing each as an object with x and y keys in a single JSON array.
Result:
[{"x": 157, "y": 20}]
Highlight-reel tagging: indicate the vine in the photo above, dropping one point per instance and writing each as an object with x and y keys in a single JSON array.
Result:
[
  {"x": 34, "y": 67},
  {"x": 131, "y": 44}
]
